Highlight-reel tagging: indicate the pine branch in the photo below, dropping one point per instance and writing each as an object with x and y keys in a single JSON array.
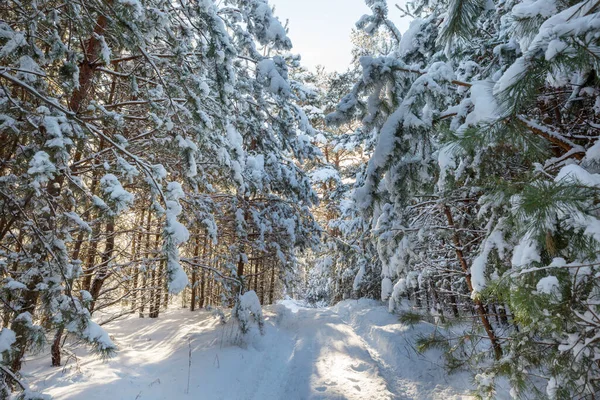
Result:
[
  {"x": 554, "y": 137},
  {"x": 461, "y": 20}
]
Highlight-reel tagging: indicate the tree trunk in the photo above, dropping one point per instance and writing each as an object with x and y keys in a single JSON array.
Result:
[
  {"x": 202, "y": 289},
  {"x": 163, "y": 288},
  {"x": 154, "y": 285},
  {"x": 453, "y": 301},
  {"x": 262, "y": 281},
  {"x": 478, "y": 305},
  {"x": 151, "y": 305},
  {"x": 137, "y": 243},
  {"x": 56, "y": 345},
  {"x": 86, "y": 281},
  {"x": 103, "y": 271},
  {"x": 194, "y": 282},
  {"x": 145, "y": 272},
  {"x": 255, "y": 278},
  {"x": 31, "y": 295},
  {"x": 272, "y": 283}
]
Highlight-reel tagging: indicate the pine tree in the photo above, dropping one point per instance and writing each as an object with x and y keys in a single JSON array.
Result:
[
  {"x": 130, "y": 125},
  {"x": 482, "y": 181}
]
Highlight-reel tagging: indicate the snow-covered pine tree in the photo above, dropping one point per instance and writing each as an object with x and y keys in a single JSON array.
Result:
[
  {"x": 346, "y": 265},
  {"x": 398, "y": 100},
  {"x": 120, "y": 115},
  {"x": 483, "y": 181},
  {"x": 271, "y": 138},
  {"x": 526, "y": 143}
]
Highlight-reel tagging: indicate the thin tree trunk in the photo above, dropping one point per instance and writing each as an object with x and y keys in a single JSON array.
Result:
[
  {"x": 134, "y": 256},
  {"x": 194, "y": 282},
  {"x": 56, "y": 345},
  {"x": 203, "y": 274},
  {"x": 154, "y": 285},
  {"x": 202, "y": 289},
  {"x": 163, "y": 288},
  {"x": 103, "y": 272},
  {"x": 255, "y": 278},
  {"x": 262, "y": 281},
  {"x": 145, "y": 272},
  {"x": 272, "y": 283},
  {"x": 478, "y": 305},
  {"x": 86, "y": 282},
  {"x": 453, "y": 301}
]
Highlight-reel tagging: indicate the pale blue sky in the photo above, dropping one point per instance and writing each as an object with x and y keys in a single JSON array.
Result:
[{"x": 320, "y": 29}]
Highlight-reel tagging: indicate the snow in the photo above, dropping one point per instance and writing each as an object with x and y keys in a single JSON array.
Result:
[
  {"x": 395, "y": 298},
  {"x": 274, "y": 31},
  {"x": 126, "y": 169},
  {"x": 267, "y": 71},
  {"x": 189, "y": 148},
  {"x": 54, "y": 130},
  {"x": 385, "y": 146},
  {"x": 511, "y": 76},
  {"x": 358, "y": 279},
  {"x": 355, "y": 350},
  {"x": 41, "y": 168},
  {"x": 409, "y": 39},
  {"x": 293, "y": 305},
  {"x": 80, "y": 222},
  {"x": 27, "y": 63},
  {"x": 175, "y": 234},
  {"x": 592, "y": 227},
  {"x": 386, "y": 288},
  {"x": 105, "y": 52},
  {"x": 158, "y": 171},
  {"x": 85, "y": 296},
  {"x": 7, "y": 338},
  {"x": 174, "y": 228},
  {"x": 552, "y": 388},
  {"x": 121, "y": 198},
  {"x": 548, "y": 285},
  {"x": 324, "y": 175},
  {"x": 14, "y": 285},
  {"x": 249, "y": 308},
  {"x": 576, "y": 20},
  {"x": 235, "y": 140},
  {"x": 93, "y": 333},
  {"x": 555, "y": 47},
  {"x": 135, "y": 5},
  {"x": 256, "y": 168},
  {"x": 446, "y": 162},
  {"x": 175, "y": 191},
  {"x": 16, "y": 40},
  {"x": 576, "y": 174},
  {"x": 494, "y": 241},
  {"x": 593, "y": 153},
  {"x": 485, "y": 106},
  {"x": 530, "y": 9},
  {"x": 525, "y": 253}
]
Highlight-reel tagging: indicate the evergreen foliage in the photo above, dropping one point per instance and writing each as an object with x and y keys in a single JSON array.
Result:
[
  {"x": 145, "y": 141},
  {"x": 481, "y": 187}
]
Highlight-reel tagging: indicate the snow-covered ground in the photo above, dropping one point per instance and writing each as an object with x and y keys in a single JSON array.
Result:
[{"x": 355, "y": 350}]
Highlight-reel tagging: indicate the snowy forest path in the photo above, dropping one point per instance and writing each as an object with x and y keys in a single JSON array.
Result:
[{"x": 354, "y": 350}]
